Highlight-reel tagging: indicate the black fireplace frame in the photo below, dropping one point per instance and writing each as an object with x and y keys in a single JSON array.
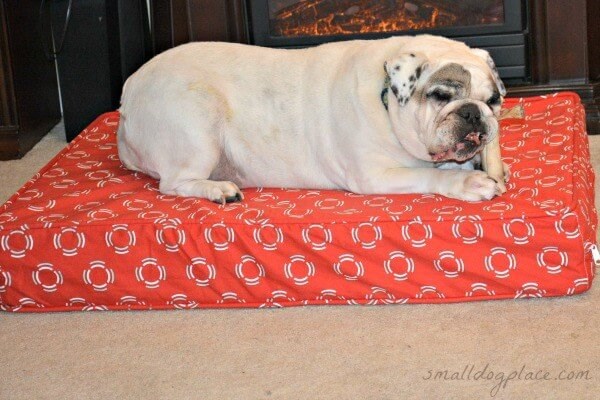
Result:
[
  {"x": 259, "y": 12},
  {"x": 506, "y": 42}
]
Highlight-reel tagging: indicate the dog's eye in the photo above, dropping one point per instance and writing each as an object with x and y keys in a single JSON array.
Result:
[
  {"x": 439, "y": 95},
  {"x": 494, "y": 100}
]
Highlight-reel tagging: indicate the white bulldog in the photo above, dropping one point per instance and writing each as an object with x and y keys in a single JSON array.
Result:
[{"x": 368, "y": 116}]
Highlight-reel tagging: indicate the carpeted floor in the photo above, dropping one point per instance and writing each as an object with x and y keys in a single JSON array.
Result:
[{"x": 349, "y": 352}]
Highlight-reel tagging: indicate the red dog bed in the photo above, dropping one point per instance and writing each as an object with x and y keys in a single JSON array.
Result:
[{"x": 87, "y": 234}]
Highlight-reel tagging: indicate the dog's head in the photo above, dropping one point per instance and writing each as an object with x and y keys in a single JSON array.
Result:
[{"x": 444, "y": 101}]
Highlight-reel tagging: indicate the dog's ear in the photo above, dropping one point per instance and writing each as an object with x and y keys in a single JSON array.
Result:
[
  {"x": 490, "y": 62},
  {"x": 404, "y": 72}
]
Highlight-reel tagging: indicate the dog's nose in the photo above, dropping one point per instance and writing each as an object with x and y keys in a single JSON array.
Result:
[{"x": 470, "y": 113}]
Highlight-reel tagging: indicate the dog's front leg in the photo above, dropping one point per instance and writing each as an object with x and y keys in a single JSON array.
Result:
[
  {"x": 457, "y": 184},
  {"x": 381, "y": 176}
]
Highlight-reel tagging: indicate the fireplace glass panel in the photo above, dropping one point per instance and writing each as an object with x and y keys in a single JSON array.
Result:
[{"x": 293, "y": 18}]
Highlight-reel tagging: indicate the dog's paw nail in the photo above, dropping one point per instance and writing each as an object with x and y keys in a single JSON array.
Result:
[
  {"x": 220, "y": 201},
  {"x": 232, "y": 199}
]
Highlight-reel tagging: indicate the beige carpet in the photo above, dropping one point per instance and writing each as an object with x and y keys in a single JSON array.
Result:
[{"x": 349, "y": 352}]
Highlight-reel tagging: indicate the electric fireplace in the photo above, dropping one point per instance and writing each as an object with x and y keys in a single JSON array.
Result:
[
  {"x": 347, "y": 17},
  {"x": 496, "y": 25}
]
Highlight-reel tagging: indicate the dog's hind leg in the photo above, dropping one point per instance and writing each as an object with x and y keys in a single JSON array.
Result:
[
  {"x": 182, "y": 144},
  {"x": 190, "y": 174}
]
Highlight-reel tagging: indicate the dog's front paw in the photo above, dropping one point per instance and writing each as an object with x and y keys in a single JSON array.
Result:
[{"x": 472, "y": 186}]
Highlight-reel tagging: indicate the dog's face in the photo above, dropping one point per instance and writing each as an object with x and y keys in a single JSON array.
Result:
[{"x": 441, "y": 109}]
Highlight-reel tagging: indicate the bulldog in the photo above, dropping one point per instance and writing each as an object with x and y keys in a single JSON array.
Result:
[{"x": 405, "y": 114}]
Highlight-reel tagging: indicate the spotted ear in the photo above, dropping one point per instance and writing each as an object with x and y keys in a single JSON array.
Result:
[
  {"x": 404, "y": 72},
  {"x": 490, "y": 62}
]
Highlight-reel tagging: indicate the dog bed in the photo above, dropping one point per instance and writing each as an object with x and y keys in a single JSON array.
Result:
[{"x": 87, "y": 234}]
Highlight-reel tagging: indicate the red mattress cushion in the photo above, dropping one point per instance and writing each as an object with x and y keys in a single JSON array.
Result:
[{"x": 87, "y": 234}]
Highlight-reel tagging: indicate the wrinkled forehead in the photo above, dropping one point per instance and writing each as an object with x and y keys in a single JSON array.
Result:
[
  {"x": 451, "y": 76},
  {"x": 472, "y": 81}
]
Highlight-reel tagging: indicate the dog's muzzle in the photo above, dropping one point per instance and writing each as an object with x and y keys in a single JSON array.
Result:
[{"x": 471, "y": 135}]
